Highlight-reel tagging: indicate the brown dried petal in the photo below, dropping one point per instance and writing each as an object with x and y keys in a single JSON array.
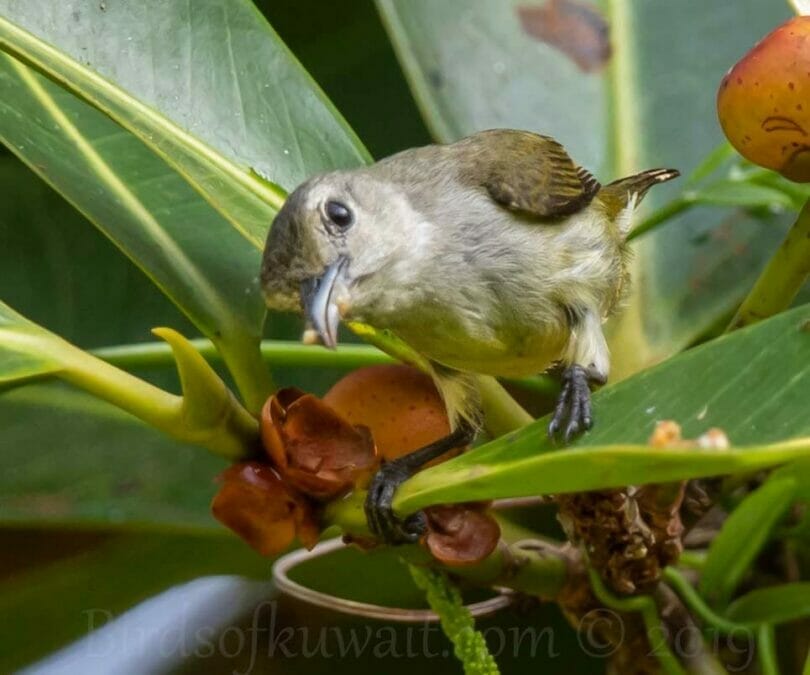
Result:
[
  {"x": 255, "y": 503},
  {"x": 313, "y": 447},
  {"x": 460, "y": 534}
]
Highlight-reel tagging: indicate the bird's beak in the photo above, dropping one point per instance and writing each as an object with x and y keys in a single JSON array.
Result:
[{"x": 320, "y": 304}]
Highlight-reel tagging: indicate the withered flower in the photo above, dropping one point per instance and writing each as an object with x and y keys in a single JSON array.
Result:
[
  {"x": 313, "y": 447},
  {"x": 460, "y": 534},
  {"x": 255, "y": 503}
]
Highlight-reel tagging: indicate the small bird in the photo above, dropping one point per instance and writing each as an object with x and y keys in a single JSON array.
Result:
[{"x": 495, "y": 255}]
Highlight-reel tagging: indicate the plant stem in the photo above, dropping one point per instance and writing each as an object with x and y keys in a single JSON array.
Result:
[
  {"x": 153, "y": 405},
  {"x": 507, "y": 414},
  {"x": 692, "y": 559},
  {"x": 646, "y": 606},
  {"x": 691, "y": 598},
  {"x": 206, "y": 415},
  {"x": 503, "y": 413},
  {"x": 286, "y": 353},
  {"x": 537, "y": 567},
  {"x": 250, "y": 373},
  {"x": 782, "y": 277},
  {"x": 766, "y": 650}
]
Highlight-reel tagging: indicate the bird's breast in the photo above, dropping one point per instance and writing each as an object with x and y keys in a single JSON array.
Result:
[{"x": 483, "y": 346}]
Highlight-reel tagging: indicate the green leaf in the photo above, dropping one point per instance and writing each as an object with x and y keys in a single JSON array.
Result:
[
  {"x": 23, "y": 354},
  {"x": 227, "y": 98},
  {"x": 214, "y": 118},
  {"x": 70, "y": 458},
  {"x": 742, "y": 194},
  {"x": 776, "y": 604},
  {"x": 185, "y": 247},
  {"x": 476, "y": 64},
  {"x": 52, "y": 260},
  {"x": 751, "y": 383},
  {"x": 722, "y": 154},
  {"x": 742, "y": 537}
]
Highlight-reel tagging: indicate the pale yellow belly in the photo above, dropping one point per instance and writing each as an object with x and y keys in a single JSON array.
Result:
[{"x": 515, "y": 357}]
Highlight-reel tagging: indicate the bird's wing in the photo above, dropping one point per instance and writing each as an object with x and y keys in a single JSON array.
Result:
[{"x": 527, "y": 172}]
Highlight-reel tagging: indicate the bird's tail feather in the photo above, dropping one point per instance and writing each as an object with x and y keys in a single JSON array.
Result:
[
  {"x": 621, "y": 197},
  {"x": 621, "y": 190}
]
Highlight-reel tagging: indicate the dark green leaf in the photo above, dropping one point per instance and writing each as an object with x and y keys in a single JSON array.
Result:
[
  {"x": 187, "y": 249},
  {"x": 227, "y": 97},
  {"x": 23, "y": 351},
  {"x": 752, "y": 383},
  {"x": 742, "y": 537},
  {"x": 70, "y": 458}
]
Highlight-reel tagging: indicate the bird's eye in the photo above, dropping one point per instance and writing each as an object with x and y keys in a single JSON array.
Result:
[{"x": 340, "y": 214}]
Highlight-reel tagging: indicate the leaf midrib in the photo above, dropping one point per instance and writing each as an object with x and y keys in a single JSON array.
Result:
[{"x": 28, "y": 45}]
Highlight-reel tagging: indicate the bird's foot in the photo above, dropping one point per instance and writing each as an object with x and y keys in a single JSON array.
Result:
[
  {"x": 573, "y": 412},
  {"x": 380, "y": 515}
]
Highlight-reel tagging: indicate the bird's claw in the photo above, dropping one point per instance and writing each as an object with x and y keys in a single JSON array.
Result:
[
  {"x": 380, "y": 515},
  {"x": 573, "y": 411}
]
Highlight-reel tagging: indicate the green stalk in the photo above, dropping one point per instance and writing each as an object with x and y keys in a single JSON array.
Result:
[
  {"x": 692, "y": 559},
  {"x": 251, "y": 375},
  {"x": 503, "y": 414},
  {"x": 207, "y": 414},
  {"x": 691, "y": 598},
  {"x": 280, "y": 352},
  {"x": 156, "y": 407},
  {"x": 766, "y": 650},
  {"x": 506, "y": 413},
  {"x": 782, "y": 277},
  {"x": 644, "y": 605},
  {"x": 536, "y": 567}
]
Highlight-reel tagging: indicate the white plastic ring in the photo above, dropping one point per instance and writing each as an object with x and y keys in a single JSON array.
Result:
[{"x": 286, "y": 563}]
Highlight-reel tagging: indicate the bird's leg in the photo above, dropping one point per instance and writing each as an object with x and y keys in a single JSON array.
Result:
[
  {"x": 587, "y": 356},
  {"x": 572, "y": 413},
  {"x": 381, "y": 519}
]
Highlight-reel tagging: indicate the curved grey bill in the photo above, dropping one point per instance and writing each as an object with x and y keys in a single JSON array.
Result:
[{"x": 319, "y": 304}]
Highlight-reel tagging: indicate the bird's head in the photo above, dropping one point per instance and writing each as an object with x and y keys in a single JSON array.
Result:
[{"x": 333, "y": 247}]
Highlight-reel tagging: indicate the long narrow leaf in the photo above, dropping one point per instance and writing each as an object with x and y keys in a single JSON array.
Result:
[
  {"x": 229, "y": 99},
  {"x": 742, "y": 537},
  {"x": 145, "y": 208}
]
